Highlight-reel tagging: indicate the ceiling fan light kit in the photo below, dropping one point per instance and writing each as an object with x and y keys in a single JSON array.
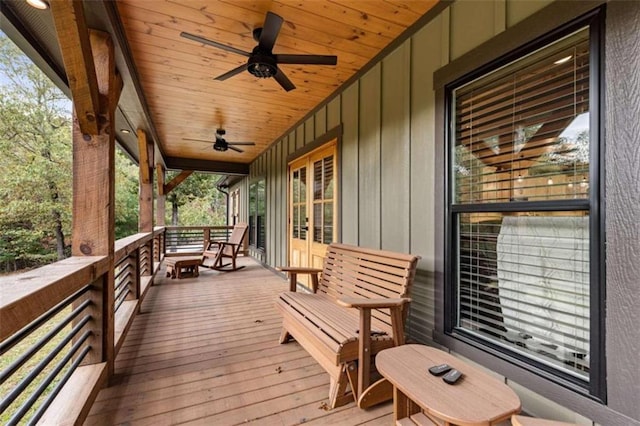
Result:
[{"x": 262, "y": 62}]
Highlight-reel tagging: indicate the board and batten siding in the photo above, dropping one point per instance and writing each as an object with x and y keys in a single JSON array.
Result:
[{"x": 387, "y": 178}]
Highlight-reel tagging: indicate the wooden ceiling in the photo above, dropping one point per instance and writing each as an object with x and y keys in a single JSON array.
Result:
[{"x": 177, "y": 74}]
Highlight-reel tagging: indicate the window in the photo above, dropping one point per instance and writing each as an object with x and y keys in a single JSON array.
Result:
[
  {"x": 257, "y": 208},
  {"x": 523, "y": 275}
]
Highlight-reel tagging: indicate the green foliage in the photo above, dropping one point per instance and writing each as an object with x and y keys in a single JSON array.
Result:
[
  {"x": 196, "y": 201},
  {"x": 126, "y": 196},
  {"x": 35, "y": 183},
  {"x": 36, "y": 178}
]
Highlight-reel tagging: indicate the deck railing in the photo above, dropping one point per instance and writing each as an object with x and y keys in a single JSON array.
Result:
[
  {"x": 183, "y": 240},
  {"x": 53, "y": 321}
]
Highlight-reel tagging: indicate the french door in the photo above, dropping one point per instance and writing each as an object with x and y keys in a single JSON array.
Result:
[{"x": 313, "y": 194}]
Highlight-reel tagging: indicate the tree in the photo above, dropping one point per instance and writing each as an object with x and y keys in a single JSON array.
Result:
[
  {"x": 35, "y": 183},
  {"x": 126, "y": 196},
  {"x": 196, "y": 201}
]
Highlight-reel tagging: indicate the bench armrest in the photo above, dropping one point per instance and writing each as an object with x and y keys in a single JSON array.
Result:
[
  {"x": 220, "y": 243},
  {"x": 396, "y": 308},
  {"x": 361, "y": 302},
  {"x": 293, "y": 272}
]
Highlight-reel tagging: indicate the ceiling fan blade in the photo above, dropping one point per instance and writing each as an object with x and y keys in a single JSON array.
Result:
[
  {"x": 241, "y": 143},
  {"x": 197, "y": 140},
  {"x": 307, "y": 59},
  {"x": 270, "y": 30},
  {"x": 214, "y": 44},
  {"x": 284, "y": 81},
  {"x": 234, "y": 148},
  {"x": 231, "y": 73}
]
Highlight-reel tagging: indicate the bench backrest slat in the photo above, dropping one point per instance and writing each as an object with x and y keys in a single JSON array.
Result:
[{"x": 359, "y": 272}]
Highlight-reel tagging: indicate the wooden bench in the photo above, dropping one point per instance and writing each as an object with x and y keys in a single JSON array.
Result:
[
  {"x": 178, "y": 265},
  {"x": 360, "y": 292}
]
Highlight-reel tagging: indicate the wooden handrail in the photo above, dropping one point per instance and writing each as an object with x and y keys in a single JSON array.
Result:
[
  {"x": 197, "y": 228},
  {"x": 125, "y": 246},
  {"x": 28, "y": 295}
]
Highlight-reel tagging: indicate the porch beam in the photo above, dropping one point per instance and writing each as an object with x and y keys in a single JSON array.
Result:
[
  {"x": 75, "y": 46},
  {"x": 221, "y": 167},
  {"x": 176, "y": 181}
]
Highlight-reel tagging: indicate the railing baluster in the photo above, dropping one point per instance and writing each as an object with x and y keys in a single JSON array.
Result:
[
  {"x": 15, "y": 392},
  {"x": 44, "y": 340},
  {"x": 47, "y": 402},
  {"x": 52, "y": 375}
]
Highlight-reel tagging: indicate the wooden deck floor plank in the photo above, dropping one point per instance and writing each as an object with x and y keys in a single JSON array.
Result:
[
  {"x": 194, "y": 363},
  {"x": 211, "y": 318},
  {"x": 351, "y": 415},
  {"x": 198, "y": 346},
  {"x": 232, "y": 409},
  {"x": 384, "y": 420},
  {"x": 198, "y": 336},
  {"x": 228, "y": 323},
  {"x": 263, "y": 409},
  {"x": 124, "y": 388},
  {"x": 205, "y": 351},
  {"x": 208, "y": 393},
  {"x": 210, "y": 381}
]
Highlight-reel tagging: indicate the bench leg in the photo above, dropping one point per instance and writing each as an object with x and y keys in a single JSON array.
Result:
[
  {"x": 337, "y": 390},
  {"x": 352, "y": 374},
  {"x": 173, "y": 272},
  {"x": 284, "y": 336}
]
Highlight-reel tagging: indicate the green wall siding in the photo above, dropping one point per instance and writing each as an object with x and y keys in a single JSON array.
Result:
[{"x": 387, "y": 157}]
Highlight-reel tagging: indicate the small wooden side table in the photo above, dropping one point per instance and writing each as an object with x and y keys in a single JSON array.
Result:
[
  {"x": 177, "y": 266},
  {"x": 476, "y": 399}
]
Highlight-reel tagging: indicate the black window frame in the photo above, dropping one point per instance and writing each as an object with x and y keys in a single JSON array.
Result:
[
  {"x": 595, "y": 388},
  {"x": 257, "y": 219}
]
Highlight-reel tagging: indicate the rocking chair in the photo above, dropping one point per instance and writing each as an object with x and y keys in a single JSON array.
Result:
[{"x": 218, "y": 250}]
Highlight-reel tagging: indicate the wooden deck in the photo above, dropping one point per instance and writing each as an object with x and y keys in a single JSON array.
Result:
[{"x": 205, "y": 351}]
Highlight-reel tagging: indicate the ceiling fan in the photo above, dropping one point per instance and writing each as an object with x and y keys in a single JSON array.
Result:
[
  {"x": 262, "y": 62},
  {"x": 221, "y": 144}
]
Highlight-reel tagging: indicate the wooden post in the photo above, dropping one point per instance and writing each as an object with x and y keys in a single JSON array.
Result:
[
  {"x": 145, "y": 149},
  {"x": 94, "y": 196},
  {"x": 160, "y": 202}
]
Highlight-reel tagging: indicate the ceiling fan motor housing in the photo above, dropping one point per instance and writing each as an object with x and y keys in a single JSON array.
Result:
[
  {"x": 262, "y": 65},
  {"x": 220, "y": 145}
]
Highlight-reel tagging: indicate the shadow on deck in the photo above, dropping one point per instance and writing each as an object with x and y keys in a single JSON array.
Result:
[{"x": 205, "y": 351}]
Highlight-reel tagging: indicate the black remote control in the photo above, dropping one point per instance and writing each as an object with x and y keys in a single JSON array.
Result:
[
  {"x": 452, "y": 376},
  {"x": 439, "y": 370}
]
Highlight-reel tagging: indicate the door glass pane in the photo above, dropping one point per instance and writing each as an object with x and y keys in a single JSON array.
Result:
[
  {"x": 303, "y": 184},
  {"x": 327, "y": 237},
  {"x": 328, "y": 178},
  {"x": 317, "y": 180},
  {"x": 296, "y": 186},
  {"x": 296, "y": 221},
  {"x": 317, "y": 222}
]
